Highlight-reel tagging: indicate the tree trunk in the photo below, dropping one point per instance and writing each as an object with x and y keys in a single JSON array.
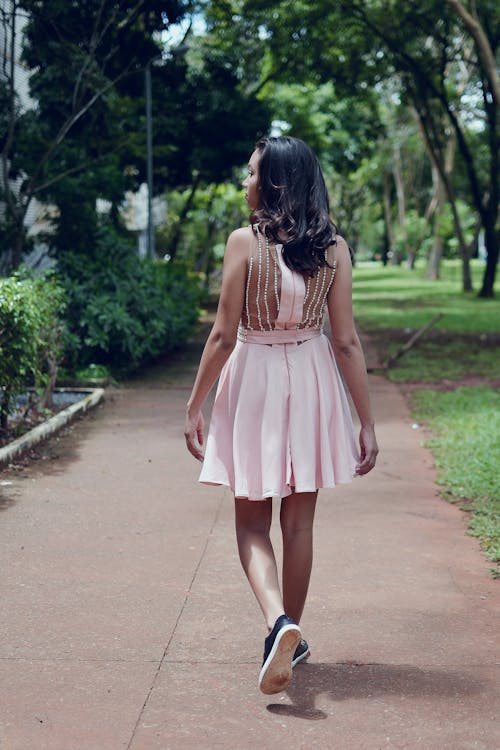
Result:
[
  {"x": 435, "y": 255},
  {"x": 174, "y": 242},
  {"x": 423, "y": 116},
  {"x": 484, "y": 51},
  {"x": 490, "y": 216},
  {"x": 411, "y": 258},
  {"x": 400, "y": 193},
  {"x": 18, "y": 240},
  {"x": 389, "y": 248},
  {"x": 4, "y": 408},
  {"x": 435, "y": 210},
  {"x": 492, "y": 244}
]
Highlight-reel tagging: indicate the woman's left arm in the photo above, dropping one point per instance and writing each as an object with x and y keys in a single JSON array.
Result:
[
  {"x": 349, "y": 354},
  {"x": 222, "y": 338}
]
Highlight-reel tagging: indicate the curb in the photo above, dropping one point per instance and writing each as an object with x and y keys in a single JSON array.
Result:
[{"x": 52, "y": 425}]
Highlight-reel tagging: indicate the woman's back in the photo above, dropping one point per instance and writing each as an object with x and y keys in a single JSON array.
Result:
[{"x": 277, "y": 298}]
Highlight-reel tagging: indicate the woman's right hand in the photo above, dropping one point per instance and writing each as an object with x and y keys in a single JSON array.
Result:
[{"x": 193, "y": 432}]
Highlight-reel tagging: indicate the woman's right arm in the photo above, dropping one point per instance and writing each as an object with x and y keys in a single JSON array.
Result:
[{"x": 349, "y": 354}]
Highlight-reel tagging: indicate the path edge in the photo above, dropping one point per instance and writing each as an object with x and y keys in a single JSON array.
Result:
[{"x": 42, "y": 431}]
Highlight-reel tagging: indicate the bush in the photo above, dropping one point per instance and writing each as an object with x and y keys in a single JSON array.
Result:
[
  {"x": 124, "y": 310},
  {"x": 30, "y": 338}
]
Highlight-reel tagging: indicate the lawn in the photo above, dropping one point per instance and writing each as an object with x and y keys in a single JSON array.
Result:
[
  {"x": 452, "y": 376},
  {"x": 391, "y": 303}
]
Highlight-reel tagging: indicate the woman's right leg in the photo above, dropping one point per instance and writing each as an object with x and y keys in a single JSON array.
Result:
[{"x": 253, "y": 524}]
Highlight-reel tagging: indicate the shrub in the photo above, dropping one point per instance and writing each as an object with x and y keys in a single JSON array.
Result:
[
  {"x": 30, "y": 338},
  {"x": 124, "y": 310}
]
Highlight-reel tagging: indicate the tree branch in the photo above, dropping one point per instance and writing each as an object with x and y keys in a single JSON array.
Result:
[
  {"x": 419, "y": 75},
  {"x": 12, "y": 114},
  {"x": 78, "y": 168},
  {"x": 94, "y": 41},
  {"x": 64, "y": 130},
  {"x": 484, "y": 50}
]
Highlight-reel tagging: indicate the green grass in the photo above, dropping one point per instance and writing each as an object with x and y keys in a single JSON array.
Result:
[
  {"x": 392, "y": 297},
  {"x": 466, "y": 447},
  {"x": 435, "y": 359},
  {"x": 391, "y": 303}
]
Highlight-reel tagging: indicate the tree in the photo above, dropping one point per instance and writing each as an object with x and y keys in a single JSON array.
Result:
[
  {"x": 84, "y": 136},
  {"x": 486, "y": 45},
  {"x": 79, "y": 55},
  {"x": 358, "y": 45},
  {"x": 425, "y": 48}
]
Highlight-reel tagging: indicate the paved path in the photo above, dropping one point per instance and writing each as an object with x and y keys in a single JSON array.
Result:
[{"x": 127, "y": 623}]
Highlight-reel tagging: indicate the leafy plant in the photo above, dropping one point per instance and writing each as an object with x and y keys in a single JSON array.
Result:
[
  {"x": 30, "y": 338},
  {"x": 124, "y": 310}
]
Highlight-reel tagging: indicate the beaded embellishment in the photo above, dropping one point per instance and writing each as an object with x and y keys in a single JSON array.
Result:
[{"x": 262, "y": 295}]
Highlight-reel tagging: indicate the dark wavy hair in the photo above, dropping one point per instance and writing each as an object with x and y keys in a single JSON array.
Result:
[{"x": 294, "y": 202}]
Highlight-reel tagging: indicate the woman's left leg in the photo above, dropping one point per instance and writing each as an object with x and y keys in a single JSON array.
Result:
[
  {"x": 296, "y": 518},
  {"x": 253, "y": 523}
]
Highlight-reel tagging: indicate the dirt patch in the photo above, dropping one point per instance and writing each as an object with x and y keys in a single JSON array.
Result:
[
  {"x": 471, "y": 381},
  {"x": 18, "y": 426}
]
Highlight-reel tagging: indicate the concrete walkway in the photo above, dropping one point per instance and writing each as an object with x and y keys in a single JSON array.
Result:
[{"x": 127, "y": 623}]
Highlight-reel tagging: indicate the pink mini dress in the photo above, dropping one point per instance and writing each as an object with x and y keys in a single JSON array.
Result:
[{"x": 281, "y": 421}]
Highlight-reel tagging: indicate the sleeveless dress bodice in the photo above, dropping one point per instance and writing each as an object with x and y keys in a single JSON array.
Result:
[{"x": 279, "y": 300}]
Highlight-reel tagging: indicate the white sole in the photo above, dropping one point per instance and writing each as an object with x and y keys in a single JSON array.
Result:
[
  {"x": 276, "y": 671},
  {"x": 300, "y": 658}
]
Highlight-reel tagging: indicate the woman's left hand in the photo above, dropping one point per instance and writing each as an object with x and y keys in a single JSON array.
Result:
[
  {"x": 193, "y": 432},
  {"x": 369, "y": 450}
]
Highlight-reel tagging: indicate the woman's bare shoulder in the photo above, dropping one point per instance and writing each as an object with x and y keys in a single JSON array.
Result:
[
  {"x": 340, "y": 250},
  {"x": 239, "y": 240},
  {"x": 241, "y": 236}
]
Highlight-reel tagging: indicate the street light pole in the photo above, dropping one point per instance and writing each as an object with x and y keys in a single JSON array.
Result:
[
  {"x": 149, "y": 157},
  {"x": 178, "y": 51}
]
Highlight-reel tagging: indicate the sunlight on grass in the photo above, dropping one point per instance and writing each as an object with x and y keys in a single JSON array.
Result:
[
  {"x": 391, "y": 303},
  {"x": 393, "y": 297},
  {"x": 434, "y": 361}
]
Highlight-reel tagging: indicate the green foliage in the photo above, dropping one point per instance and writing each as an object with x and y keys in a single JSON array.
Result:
[
  {"x": 421, "y": 55},
  {"x": 205, "y": 120},
  {"x": 447, "y": 232},
  {"x": 30, "y": 335},
  {"x": 416, "y": 231},
  {"x": 466, "y": 445},
  {"x": 68, "y": 145},
  {"x": 83, "y": 135},
  {"x": 93, "y": 372},
  {"x": 213, "y": 214},
  {"x": 124, "y": 310}
]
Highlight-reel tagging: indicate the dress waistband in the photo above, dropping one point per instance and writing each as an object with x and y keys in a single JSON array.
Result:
[{"x": 285, "y": 336}]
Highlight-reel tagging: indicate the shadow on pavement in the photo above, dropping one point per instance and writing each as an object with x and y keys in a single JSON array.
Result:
[
  {"x": 6, "y": 500},
  {"x": 340, "y": 682},
  {"x": 50, "y": 457}
]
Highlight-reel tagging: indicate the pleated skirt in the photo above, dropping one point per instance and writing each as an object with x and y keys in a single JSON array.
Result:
[{"x": 280, "y": 423}]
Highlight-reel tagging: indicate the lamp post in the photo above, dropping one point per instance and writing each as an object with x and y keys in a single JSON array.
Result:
[
  {"x": 178, "y": 51},
  {"x": 149, "y": 158}
]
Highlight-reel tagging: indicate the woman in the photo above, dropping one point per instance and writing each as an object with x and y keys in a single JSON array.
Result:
[{"x": 281, "y": 425}]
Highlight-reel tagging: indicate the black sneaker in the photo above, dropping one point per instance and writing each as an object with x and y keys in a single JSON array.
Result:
[
  {"x": 301, "y": 652},
  {"x": 279, "y": 649}
]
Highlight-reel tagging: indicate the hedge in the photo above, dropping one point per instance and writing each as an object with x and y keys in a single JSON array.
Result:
[
  {"x": 123, "y": 310},
  {"x": 31, "y": 341}
]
